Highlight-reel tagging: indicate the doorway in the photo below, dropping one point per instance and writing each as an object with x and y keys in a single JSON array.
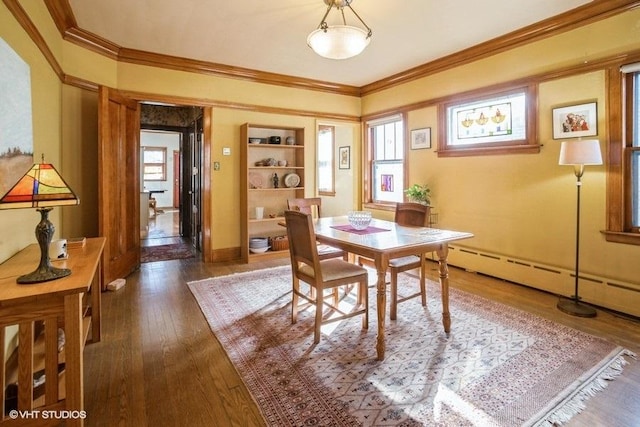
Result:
[{"x": 170, "y": 168}]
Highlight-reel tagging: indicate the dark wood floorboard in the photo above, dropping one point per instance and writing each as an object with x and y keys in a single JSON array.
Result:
[{"x": 158, "y": 363}]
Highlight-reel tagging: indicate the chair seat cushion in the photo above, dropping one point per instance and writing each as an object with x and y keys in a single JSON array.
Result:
[
  {"x": 333, "y": 269},
  {"x": 404, "y": 261}
]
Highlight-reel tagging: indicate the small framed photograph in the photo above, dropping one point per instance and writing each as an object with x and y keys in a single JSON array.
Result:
[
  {"x": 420, "y": 138},
  {"x": 575, "y": 121},
  {"x": 344, "y": 161},
  {"x": 386, "y": 183}
]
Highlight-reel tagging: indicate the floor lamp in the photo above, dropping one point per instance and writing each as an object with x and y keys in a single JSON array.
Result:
[{"x": 578, "y": 153}]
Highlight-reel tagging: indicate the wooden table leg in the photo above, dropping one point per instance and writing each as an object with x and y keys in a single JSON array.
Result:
[
  {"x": 73, "y": 353},
  {"x": 382, "y": 263},
  {"x": 25, "y": 366},
  {"x": 442, "y": 252},
  {"x": 96, "y": 305}
]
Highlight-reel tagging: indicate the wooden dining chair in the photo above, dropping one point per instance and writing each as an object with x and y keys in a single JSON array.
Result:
[
  {"x": 311, "y": 206},
  {"x": 410, "y": 215},
  {"x": 307, "y": 267}
]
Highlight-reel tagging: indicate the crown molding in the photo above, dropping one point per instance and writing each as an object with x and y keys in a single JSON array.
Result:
[
  {"x": 587, "y": 14},
  {"x": 25, "y": 22},
  {"x": 60, "y": 11},
  {"x": 210, "y": 68}
]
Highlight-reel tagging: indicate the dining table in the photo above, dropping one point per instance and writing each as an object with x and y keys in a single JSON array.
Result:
[{"x": 385, "y": 240}]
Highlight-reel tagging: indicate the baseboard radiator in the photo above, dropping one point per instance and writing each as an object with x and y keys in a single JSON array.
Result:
[{"x": 601, "y": 291}]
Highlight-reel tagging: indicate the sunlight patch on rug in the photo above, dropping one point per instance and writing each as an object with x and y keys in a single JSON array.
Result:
[{"x": 499, "y": 366}]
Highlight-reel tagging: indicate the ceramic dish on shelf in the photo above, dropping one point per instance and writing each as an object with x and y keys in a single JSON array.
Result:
[
  {"x": 259, "y": 250},
  {"x": 256, "y": 180},
  {"x": 291, "y": 180},
  {"x": 258, "y": 242},
  {"x": 255, "y": 140}
]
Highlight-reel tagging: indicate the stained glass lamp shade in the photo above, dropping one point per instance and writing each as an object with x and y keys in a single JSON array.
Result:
[{"x": 41, "y": 187}]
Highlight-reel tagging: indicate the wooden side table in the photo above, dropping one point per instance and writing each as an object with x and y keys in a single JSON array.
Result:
[{"x": 73, "y": 303}]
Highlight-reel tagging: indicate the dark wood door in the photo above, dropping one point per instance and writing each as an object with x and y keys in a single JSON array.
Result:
[
  {"x": 119, "y": 183},
  {"x": 176, "y": 179},
  {"x": 196, "y": 185}
]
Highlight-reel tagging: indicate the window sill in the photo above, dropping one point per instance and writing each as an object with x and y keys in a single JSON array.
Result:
[
  {"x": 622, "y": 237},
  {"x": 380, "y": 206},
  {"x": 490, "y": 151}
]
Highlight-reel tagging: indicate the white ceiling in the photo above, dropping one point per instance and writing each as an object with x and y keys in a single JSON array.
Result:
[{"x": 271, "y": 36}]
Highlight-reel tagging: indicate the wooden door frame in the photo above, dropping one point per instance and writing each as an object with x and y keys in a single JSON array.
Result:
[
  {"x": 207, "y": 112},
  {"x": 176, "y": 179}
]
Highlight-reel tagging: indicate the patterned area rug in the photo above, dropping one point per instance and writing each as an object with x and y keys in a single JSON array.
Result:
[
  {"x": 499, "y": 366},
  {"x": 166, "y": 252}
]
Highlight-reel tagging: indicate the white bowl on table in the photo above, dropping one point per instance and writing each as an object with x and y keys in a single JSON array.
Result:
[{"x": 359, "y": 219}]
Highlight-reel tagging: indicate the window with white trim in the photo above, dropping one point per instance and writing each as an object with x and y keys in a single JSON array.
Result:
[
  {"x": 154, "y": 166},
  {"x": 386, "y": 153},
  {"x": 326, "y": 160},
  {"x": 631, "y": 147}
]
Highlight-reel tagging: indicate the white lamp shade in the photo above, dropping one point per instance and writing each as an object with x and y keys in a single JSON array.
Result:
[
  {"x": 338, "y": 41},
  {"x": 580, "y": 152}
]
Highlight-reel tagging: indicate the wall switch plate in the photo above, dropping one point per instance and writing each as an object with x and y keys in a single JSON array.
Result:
[
  {"x": 226, "y": 151},
  {"x": 216, "y": 166}
]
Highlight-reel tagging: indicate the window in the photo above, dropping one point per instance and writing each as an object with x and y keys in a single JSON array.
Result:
[
  {"x": 154, "y": 164},
  {"x": 385, "y": 151},
  {"x": 490, "y": 122},
  {"x": 623, "y": 159},
  {"x": 633, "y": 151},
  {"x": 326, "y": 160}
]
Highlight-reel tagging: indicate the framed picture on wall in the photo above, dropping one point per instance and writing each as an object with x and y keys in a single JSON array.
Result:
[
  {"x": 16, "y": 122},
  {"x": 344, "y": 155},
  {"x": 420, "y": 138},
  {"x": 575, "y": 121}
]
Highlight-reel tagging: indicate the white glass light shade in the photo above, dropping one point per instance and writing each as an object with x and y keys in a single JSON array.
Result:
[
  {"x": 338, "y": 41},
  {"x": 580, "y": 152}
]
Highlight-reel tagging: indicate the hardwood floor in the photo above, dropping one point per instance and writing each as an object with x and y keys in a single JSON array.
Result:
[
  {"x": 163, "y": 228},
  {"x": 158, "y": 363}
]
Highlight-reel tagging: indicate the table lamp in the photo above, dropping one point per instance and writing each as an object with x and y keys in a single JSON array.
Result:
[
  {"x": 41, "y": 187},
  {"x": 578, "y": 153}
]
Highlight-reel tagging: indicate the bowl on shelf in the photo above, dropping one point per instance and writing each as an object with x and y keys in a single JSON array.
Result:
[
  {"x": 359, "y": 219},
  {"x": 255, "y": 140},
  {"x": 258, "y": 250},
  {"x": 258, "y": 242}
]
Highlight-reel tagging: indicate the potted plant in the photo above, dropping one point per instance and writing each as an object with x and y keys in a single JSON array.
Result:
[{"x": 419, "y": 194}]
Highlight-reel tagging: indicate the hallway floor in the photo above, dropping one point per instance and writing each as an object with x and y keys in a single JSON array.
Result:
[{"x": 164, "y": 229}]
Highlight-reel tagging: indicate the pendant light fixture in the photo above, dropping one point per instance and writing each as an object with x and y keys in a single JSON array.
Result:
[{"x": 339, "y": 41}]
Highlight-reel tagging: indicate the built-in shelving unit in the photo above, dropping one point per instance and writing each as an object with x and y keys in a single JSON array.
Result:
[{"x": 257, "y": 182}]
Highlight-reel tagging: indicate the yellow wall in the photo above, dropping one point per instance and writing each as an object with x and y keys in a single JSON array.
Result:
[
  {"x": 17, "y": 227},
  {"x": 225, "y": 183},
  {"x": 80, "y": 159},
  {"x": 518, "y": 205},
  {"x": 523, "y": 205}
]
